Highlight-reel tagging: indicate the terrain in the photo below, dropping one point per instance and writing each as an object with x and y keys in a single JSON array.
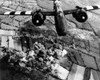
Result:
[{"x": 92, "y": 25}]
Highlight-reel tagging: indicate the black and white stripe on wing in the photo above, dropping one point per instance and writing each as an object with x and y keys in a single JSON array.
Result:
[
  {"x": 88, "y": 8},
  {"x": 18, "y": 13}
]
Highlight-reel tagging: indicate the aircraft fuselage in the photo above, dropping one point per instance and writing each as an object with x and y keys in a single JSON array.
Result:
[{"x": 59, "y": 19}]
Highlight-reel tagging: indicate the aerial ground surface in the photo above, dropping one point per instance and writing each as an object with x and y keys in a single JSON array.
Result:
[{"x": 88, "y": 33}]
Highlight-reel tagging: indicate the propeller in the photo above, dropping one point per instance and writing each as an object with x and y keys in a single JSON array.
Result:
[{"x": 80, "y": 14}]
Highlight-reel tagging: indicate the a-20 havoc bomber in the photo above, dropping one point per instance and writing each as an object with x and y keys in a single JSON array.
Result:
[
  {"x": 39, "y": 16},
  {"x": 55, "y": 60}
]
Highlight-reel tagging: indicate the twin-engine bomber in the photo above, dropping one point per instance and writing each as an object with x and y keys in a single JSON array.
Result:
[{"x": 39, "y": 16}]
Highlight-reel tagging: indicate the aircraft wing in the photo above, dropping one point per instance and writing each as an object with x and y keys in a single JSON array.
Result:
[
  {"x": 66, "y": 12},
  {"x": 47, "y": 13},
  {"x": 87, "y": 8},
  {"x": 50, "y": 13}
]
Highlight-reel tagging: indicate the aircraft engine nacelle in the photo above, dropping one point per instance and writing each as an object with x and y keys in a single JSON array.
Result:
[
  {"x": 38, "y": 18},
  {"x": 80, "y": 15}
]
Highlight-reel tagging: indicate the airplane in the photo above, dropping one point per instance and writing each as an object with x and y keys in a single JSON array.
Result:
[{"x": 39, "y": 16}]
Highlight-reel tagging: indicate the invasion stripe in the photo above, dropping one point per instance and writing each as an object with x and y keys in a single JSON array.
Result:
[
  {"x": 98, "y": 6},
  {"x": 18, "y": 12},
  {"x": 88, "y": 7},
  {"x": 95, "y": 7},
  {"x": 12, "y": 13},
  {"x": 8, "y": 12},
  {"x": 28, "y": 12},
  {"x": 23, "y": 13},
  {"x": 92, "y": 7}
]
